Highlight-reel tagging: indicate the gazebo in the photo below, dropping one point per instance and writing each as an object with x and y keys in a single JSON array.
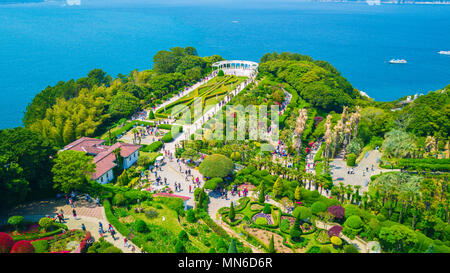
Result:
[{"x": 235, "y": 64}]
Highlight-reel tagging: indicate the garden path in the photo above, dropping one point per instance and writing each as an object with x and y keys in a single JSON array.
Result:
[
  {"x": 367, "y": 167},
  {"x": 185, "y": 92},
  {"x": 359, "y": 244}
]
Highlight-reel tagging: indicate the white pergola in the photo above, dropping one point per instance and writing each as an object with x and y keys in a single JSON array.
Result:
[{"x": 235, "y": 64}]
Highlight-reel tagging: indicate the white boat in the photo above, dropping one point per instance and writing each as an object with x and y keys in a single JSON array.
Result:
[
  {"x": 398, "y": 61},
  {"x": 444, "y": 52}
]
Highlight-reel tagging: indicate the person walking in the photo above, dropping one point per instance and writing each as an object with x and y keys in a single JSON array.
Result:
[
  {"x": 100, "y": 231},
  {"x": 125, "y": 242},
  {"x": 74, "y": 214},
  {"x": 100, "y": 226},
  {"x": 113, "y": 233},
  {"x": 83, "y": 227}
]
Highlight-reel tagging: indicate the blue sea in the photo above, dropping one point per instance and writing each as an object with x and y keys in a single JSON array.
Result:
[{"x": 43, "y": 43}]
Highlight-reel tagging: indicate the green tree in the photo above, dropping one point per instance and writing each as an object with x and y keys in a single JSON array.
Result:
[
  {"x": 297, "y": 193},
  {"x": 72, "y": 170},
  {"x": 261, "y": 197},
  {"x": 278, "y": 187},
  {"x": 272, "y": 245},
  {"x": 216, "y": 165},
  {"x": 231, "y": 213},
  {"x": 123, "y": 105},
  {"x": 398, "y": 143},
  {"x": 397, "y": 238},
  {"x": 232, "y": 247}
]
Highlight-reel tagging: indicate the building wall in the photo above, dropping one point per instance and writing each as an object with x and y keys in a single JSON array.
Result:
[
  {"x": 106, "y": 177},
  {"x": 128, "y": 161}
]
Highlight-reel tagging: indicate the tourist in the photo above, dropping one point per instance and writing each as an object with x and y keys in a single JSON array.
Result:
[
  {"x": 83, "y": 227},
  {"x": 125, "y": 242},
  {"x": 100, "y": 225},
  {"x": 98, "y": 201},
  {"x": 113, "y": 233},
  {"x": 100, "y": 231},
  {"x": 74, "y": 214}
]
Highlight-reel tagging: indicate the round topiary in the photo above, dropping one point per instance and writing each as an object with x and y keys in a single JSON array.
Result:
[
  {"x": 216, "y": 165},
  {"x": 318, "y": 206},
  {"x": 212, "y": 183},
  {"x": 351, "y": 210},
  {"x": 337, "y": 211},
  {"x": 6, "y": 242},
  {"x": 353, "y": 222},
  {"x": 336, "y": 241},
  {"x": 302, "y": 212},
  {"x": 22, "y": 247},
  {"x": 46, "y": 223}
]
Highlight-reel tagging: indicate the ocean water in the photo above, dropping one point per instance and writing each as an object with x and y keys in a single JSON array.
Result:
[{"x": 41, "y": 44}]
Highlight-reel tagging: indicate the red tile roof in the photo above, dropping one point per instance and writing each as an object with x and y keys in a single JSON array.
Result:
[{"x": 104, "y": 157}]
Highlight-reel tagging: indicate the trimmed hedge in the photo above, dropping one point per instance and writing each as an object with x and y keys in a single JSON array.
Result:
[{"x": 154, "y": 147}]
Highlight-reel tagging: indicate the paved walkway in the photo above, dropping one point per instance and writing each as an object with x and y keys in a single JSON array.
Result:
[{"x": 367, "y": 167}]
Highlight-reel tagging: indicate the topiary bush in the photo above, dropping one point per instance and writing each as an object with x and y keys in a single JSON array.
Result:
[
  {"x": 302, "y": 212},
  {"x": 354, "y": 222},
  {"x": 40, "y": 246},
  {"x": 212, "y": 183},
  {"x": 119, "y": 200},
  {"x": 335, "y": 231},
  {"x": 318, "y": 207},
  {"x": 285, "y": 225},
  {"x": 336, "y": 241},
  {"x": 22, "y": 247},
  {"x": 216, "y": 165},
  {"x": 351, "y": 160},
  {"x": 351, "y": 210},
  {"x": 337, "y": 211},
  {"x": 46, "y": 223},
  {"x": 267, "y": 209},
  {"x": 15, "y": 221},
  {"x": 6, "y": 242}
]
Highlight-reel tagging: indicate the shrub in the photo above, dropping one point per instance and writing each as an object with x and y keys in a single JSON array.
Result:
[
  {"x": 295, "y": 233},
  {"x": 154, "y": 147},
  {"x": 318, "y": 206},
  {"x": 313, "y": 249},
  {"x": 267, "y": 209},
  {"x": 16, "y": 221},
  {"x": 216, "y": 165},
  {"x": 285, "y": 225},
  {"x": 40, "y": 246},
  {"x": 351, "y": 210},
  {"x": 334, "y": 231},
  {"x": 336, "y": 241},
  {"x": 140, "y": 226},
  {"x": 231, "y": 213},
  {"x": 337, "y": 211},
  {"x": 354, "y": 222},
  {"x": 119, "y": 199},
  {"x": 220, "y": 73},
  {"x": 235, "y": 156},
  {"x": 46, "y": 223},
  {"x": 351, "y": 160},
  {"x": 261, "y": 221},
  {"x": 179, "y": 247},
  {"x": 190, "y": 216},
  {"x": 212, "y": 183},
  {"x": 183, "y": 236},
  {"x": 22, "y": 247},
  {"x": 302, "y": 212},
  {"x": 325, "y": 249},
  {"x": 6, "y": 242},
  {"x": 350, "y": 249}
]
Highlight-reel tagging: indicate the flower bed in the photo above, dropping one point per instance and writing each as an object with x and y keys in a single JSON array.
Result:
[{"x": 268, "y": 217}]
